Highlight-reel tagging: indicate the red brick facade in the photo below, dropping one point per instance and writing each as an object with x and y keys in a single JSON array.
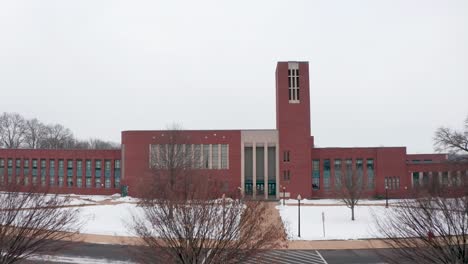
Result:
[{"x": 297, "y": 167}]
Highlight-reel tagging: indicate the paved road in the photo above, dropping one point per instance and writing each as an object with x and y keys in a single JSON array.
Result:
[{"x": 86, "y": 253}]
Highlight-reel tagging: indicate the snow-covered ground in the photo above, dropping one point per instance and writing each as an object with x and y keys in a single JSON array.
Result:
[
  {"x": 111, "y": 215},
  {"x": 338, "y": 224}
]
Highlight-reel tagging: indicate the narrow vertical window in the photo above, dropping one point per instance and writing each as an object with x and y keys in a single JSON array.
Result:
[
  {"x": 370, "y": 174},
  {"x": 60, "y": 172},
  {"x": 2, "y": 171},
  {"x": 293, "y": 83},
  {"x": 107, "y": 173},
  {"x": 17, "y": 170},
  {"x": 117, "y": 173},
  {"x": 88, "y": 173},
  {"x": 316, "y": 175},
  {"x": 360, "y": 171},
  {"x": 338, "y": 174},
  {"x": 34, "y": 171},
  {"x": 52, "y": 172},
  {"x": 43, "y": 172},
  {"x": 79, "y": 173},
  {"x": 326, "y": 174},
  {"x": 70, "y": 173},
  {"x": 206, "y": 156},
  {"x": 197, "y": 156},
  {"x": 18, "y": 167},
  {"x": 97, "y": 173},
  {"x": 349, "y": 171},
  {"x": 224, "y": 156},
  {"x": 214, "y": 156}
]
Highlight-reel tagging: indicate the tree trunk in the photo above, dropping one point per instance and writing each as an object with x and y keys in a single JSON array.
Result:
[{"x": 352, "y": 213}]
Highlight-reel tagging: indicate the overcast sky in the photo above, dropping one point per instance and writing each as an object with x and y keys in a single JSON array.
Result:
[{"x": 382, "y": 73}]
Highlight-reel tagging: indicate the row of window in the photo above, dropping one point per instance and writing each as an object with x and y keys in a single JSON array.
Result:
[
  {"x": 392, "y": 183},
  {"x": 445, "y": 178},
  {"x": 39, "y": 167},
  {"x": 343, "y": 171},
  {"x": 198, "y": 156}
]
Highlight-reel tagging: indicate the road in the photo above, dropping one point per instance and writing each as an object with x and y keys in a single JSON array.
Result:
[{"x": 87, "y": 253}]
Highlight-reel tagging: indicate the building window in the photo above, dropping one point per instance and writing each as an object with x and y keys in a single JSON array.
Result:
[
  {"x": 10, "y": 170},
  {"x": 197, "y": 156},
  {"x": 370, "y": 174},
  {"x": 60, "y": 173},
  {"x": 52, "y": 172},
  {"x": 415, "y": 179},
  {"x": 88, "y": 173},
  {"x": 392, "y": 183},
  {"x": 97, "y": 173},
  {"x": 286, "y": 156},
  {"x": 338, "y": 173},
  {"x": 26, "y": 168},
  {"x": 286, "y": 175},
  {"x": 34, "y": 171},
  {"x": 43, "y": 172},
  {"x": 79, "y": 168},
  {"x": 316, "y": 175},
  {"x": 293, "y": 83},
  {"x": 79, "y": 173},
  {"x": 18, "y": 168},
  {"x": 326, "y": 174},
  {"x": 224, "y": 156},
  {"x": 445, "y": 181},
  {"x": 117, "y": 173},
  {"x": 349, "y": 171},
  {"x": 70, "y": 173},
  {"x": 214, "y": 156},
  {"x": 2, "y": 171},
  {"x": 107, "y": 173},
  {"x": 360, "y": 172},
  {"x": 206, "y": 156}
]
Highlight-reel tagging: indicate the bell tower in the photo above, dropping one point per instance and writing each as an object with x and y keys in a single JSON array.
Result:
[{"x": 293, "y": 125}]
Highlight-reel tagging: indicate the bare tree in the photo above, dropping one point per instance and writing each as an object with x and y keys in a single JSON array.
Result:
[
  {"x": 33, "y": 222},
  {"x": 35, "y": 133},
  {"x": 427, "y": 230},
  {"x": 186, "y": 218},
  {"x": 12, "y": 131},
  {"x": 349, "y": 189},
  {"x": 453, "y": 141},
  {"x": 57, "y": 137},
  {"x": 190, "y": 223}
]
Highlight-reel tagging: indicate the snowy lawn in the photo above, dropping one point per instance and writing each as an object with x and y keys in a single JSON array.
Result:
[
  {"x": 338, "y": 224},
  {"x": 108, "y": 219}
]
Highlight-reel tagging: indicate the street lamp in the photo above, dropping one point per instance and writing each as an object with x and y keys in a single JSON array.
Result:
[
  {"x": 284, "y": 195},
  {"x": 224, "y": 211},
  {"x": 386, "y": 196},
  {"x": 299, "y": 215}
]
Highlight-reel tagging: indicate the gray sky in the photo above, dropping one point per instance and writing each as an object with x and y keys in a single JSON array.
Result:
[{"x": 382, "y": 73}]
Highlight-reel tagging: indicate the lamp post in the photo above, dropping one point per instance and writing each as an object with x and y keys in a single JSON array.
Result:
[
  {"x": 224, "y": 212},
  {"x": 386, "y": 196},
  {"x": 299, "y": 215},
  {"x": 284, "y": 195}
]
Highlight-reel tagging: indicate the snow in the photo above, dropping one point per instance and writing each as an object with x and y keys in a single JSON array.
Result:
[
  {"x": 338, "y": 224},
  {"x": 108, "y": 219},
  {"x": 75, "y": 259},
  {"x": 337, "y": 201}
]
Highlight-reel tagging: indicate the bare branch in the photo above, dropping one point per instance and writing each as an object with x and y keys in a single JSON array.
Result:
[{"x": 32, "y": 222}]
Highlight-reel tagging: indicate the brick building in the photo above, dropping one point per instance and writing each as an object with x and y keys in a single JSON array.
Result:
[{"x": 260, "y": 163}]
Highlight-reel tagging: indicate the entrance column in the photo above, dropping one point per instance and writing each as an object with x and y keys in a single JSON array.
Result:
[
  {"x": 254, "y": 166},
  {"x": 242, "y": 170},
  {"x": 266, "y": 185}
]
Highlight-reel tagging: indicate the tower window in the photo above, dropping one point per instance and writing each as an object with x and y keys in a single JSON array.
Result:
[{"x": 293, "y": 83}]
